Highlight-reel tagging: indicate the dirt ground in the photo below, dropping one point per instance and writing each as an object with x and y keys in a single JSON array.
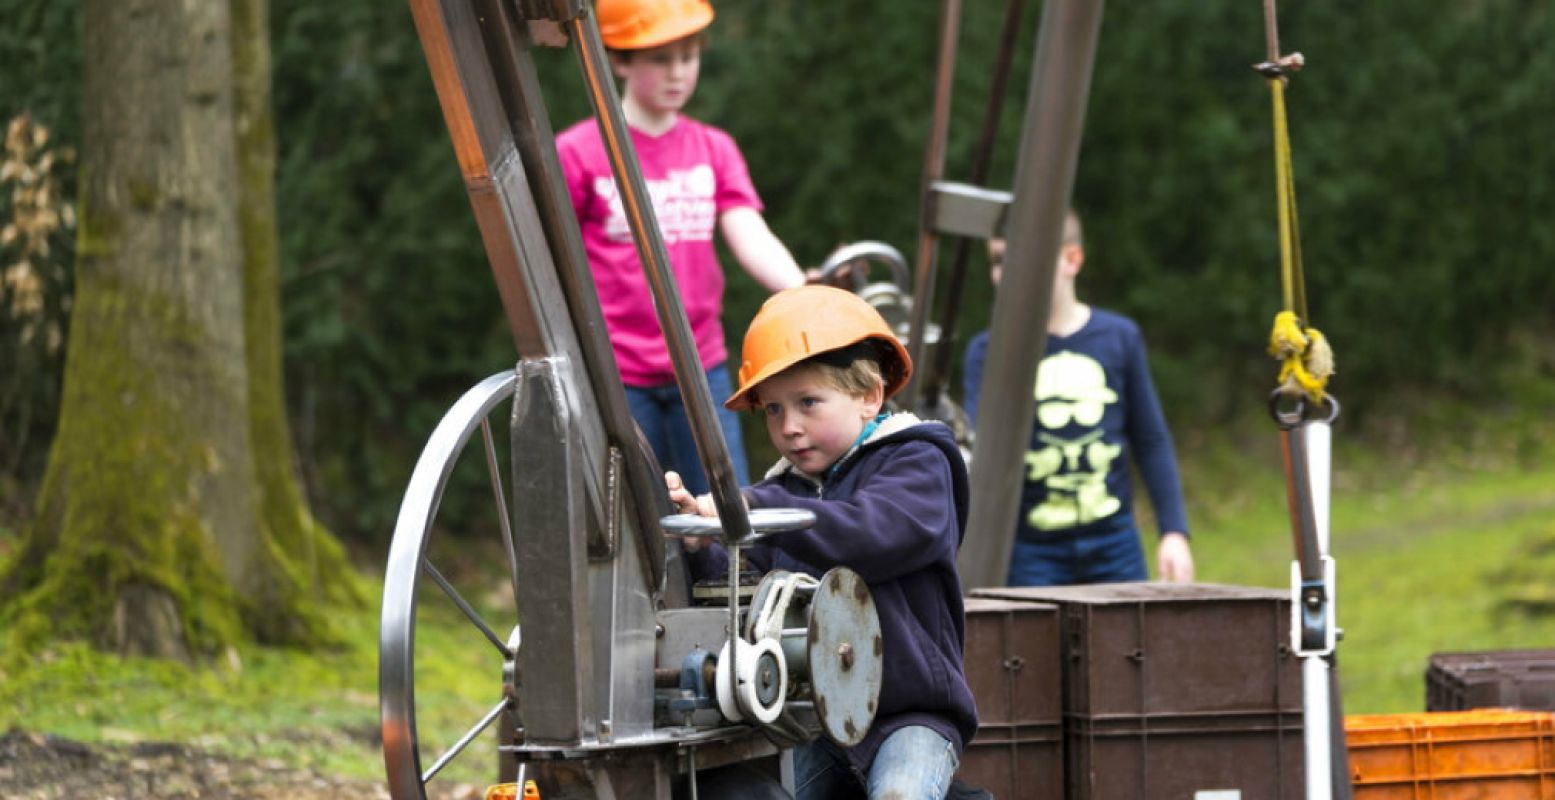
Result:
[{"x": 41, "y": 767}]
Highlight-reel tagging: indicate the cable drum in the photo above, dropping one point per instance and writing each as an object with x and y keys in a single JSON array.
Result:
[
  {"x": 754, "y": 683},
  {"x": 844, "y": 660}
]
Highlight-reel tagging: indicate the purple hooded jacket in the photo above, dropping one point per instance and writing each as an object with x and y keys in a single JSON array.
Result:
[{"x": 893, "y": 510}]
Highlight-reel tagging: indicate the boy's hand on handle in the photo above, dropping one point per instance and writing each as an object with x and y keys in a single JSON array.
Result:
[
  {"x": 682, "y": 500},
  {"x": 1174, "y": 558},
  {"x": 685, "y": 503}
]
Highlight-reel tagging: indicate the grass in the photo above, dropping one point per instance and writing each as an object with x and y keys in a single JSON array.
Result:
[
  {"x": 1428, "y": 552},
  {"x": 299, "y": 709},
  {"x": 305, "y": 710}
]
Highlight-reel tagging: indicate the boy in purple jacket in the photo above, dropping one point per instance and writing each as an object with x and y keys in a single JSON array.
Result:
[{"x": 889, "y": 493}]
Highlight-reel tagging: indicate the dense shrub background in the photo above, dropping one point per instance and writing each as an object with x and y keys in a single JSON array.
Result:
[{"x": 1422, "y": 143}]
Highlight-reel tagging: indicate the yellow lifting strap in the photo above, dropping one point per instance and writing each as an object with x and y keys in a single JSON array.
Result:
[{"x": 1306, "y": 359}]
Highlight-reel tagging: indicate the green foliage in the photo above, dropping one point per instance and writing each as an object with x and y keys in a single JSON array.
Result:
[
  {"x": 40, "y": 46},
  {"x": 1419, "y": 134},
  {"x": 389, "y": 305}
]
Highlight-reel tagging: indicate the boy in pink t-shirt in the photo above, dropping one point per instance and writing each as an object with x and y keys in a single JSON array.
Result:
[{"x": 698, "y": 182}]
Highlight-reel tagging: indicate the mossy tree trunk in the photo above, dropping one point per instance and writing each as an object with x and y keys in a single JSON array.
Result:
[
  {"x": 169, "y": 523},
  {"x": 310, "y": 566}
]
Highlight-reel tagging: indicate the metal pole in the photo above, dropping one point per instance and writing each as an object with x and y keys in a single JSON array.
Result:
[
  {"x": 1315, "y": 727},
  {"x": 982, "y": 162},
  {"x": 1050, "y": 147},
  {"x": 711, "y": 447},
  {"x": 933, "y": 169},
  {"x": 1306, "y": 447}
]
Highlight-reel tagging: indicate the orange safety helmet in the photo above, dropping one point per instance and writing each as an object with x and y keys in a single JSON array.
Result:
[
  {"x": 640, "y": 24},
  {"x": 796, "y": 324}
]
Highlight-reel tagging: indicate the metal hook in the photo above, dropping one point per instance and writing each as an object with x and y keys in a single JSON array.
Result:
[{"x": 1290, "y": 417}]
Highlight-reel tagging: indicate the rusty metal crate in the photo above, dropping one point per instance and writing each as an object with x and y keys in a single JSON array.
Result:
[
  {"x": 1016, "y": 761},
  {"x": 1175, "y": 689},
  {"x": 1491, "y": 679},
  {"x": 1187, "y": 756},
  {"x": 1013, "y": 667}
]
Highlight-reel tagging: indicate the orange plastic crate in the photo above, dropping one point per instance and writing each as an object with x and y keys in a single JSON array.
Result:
[{"x": 1456, "y": 755}]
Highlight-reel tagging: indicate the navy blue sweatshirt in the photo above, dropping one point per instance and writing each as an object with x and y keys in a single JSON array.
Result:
[
  {"x": 1096, "y": 407},
  {"x": 894, "y": 511}
]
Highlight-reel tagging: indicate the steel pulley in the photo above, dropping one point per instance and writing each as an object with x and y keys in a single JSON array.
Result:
[{"x": 848, "y": 267}]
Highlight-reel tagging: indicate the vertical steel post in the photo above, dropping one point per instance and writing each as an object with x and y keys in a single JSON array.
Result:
[
  {"x": 1049, "y": 153},
  {"x": 1306, "y": 450},
  {"x": 712, "y": 448},
  {"x": 938, "y": 367},
  {"x": 933, "y": 169}
]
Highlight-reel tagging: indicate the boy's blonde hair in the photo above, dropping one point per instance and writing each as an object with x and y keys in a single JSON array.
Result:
[{"x": 854, "y": 371}]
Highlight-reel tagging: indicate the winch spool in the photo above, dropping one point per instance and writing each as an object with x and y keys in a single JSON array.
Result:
[{"x": 753, "y": 684}]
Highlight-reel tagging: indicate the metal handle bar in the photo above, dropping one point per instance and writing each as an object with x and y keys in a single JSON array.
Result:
[
  {"x": 763, "y": 521},
  {"x": 868, "y": 251}
]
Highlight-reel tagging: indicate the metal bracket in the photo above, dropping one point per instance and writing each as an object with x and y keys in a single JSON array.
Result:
[
  {"x": 604, "y": 545},
  {"x": 1313, "y": 622},
  {"x": 546, "y": 20},
  {"x": 552, "y": 10},
  {"x": 961, "y": 209}
]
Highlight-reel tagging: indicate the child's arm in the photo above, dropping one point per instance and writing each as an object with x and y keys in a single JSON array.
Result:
[
  {"x": 760, "y": 253},
  {"x": 1151, "y": 441},
  {"x": 901, "y": 519}
]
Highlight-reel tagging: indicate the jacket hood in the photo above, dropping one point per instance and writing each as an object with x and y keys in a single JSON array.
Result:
[{"x": 902, "y": 426}]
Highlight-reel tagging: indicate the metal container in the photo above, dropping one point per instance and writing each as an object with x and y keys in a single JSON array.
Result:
[
  {"x": 1176, "y": 690},
  {"x": 1185, "y": 756},
  {"x": 1013, "y": 667},
  {"x": 1491, "y": 679}
]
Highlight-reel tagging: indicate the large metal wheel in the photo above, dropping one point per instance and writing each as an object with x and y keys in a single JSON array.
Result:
[{"x": 411, "y": 562}]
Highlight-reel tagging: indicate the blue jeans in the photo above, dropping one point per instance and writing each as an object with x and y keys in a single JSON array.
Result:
[
  {"x": 914, "y": 763},
  {"x": 1062, "y": 559},
  {"x": 661, "y": 415}
]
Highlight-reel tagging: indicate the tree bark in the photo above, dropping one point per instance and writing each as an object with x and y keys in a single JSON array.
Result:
[
  {"x": 305, "y": 564},
  {"x": 169, "y": 523}
]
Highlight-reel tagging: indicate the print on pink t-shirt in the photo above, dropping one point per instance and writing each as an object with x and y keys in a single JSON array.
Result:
[
  {"x": 682, "y": 201},
  {"x": 693, "y": 172}
]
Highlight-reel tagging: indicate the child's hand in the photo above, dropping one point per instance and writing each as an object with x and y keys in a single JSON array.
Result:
[
  {"x": 1174, "y": 558},
  {"x": 687, "y": 504},
  {"x": 682, "y": 500}
]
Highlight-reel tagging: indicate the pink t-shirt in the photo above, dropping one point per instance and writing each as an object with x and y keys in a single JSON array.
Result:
[{"x": 694, "y": 173}]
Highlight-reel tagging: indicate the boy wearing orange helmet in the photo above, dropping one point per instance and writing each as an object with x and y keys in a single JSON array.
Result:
[
  {"x": 889, "y": 493},
  {"x": 698, "y": 182}
]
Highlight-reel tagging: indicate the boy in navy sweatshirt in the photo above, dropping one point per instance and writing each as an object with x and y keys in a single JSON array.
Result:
[
  {"x": 1096, "y": 410},
  {"x": 889, "y": 493}
]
